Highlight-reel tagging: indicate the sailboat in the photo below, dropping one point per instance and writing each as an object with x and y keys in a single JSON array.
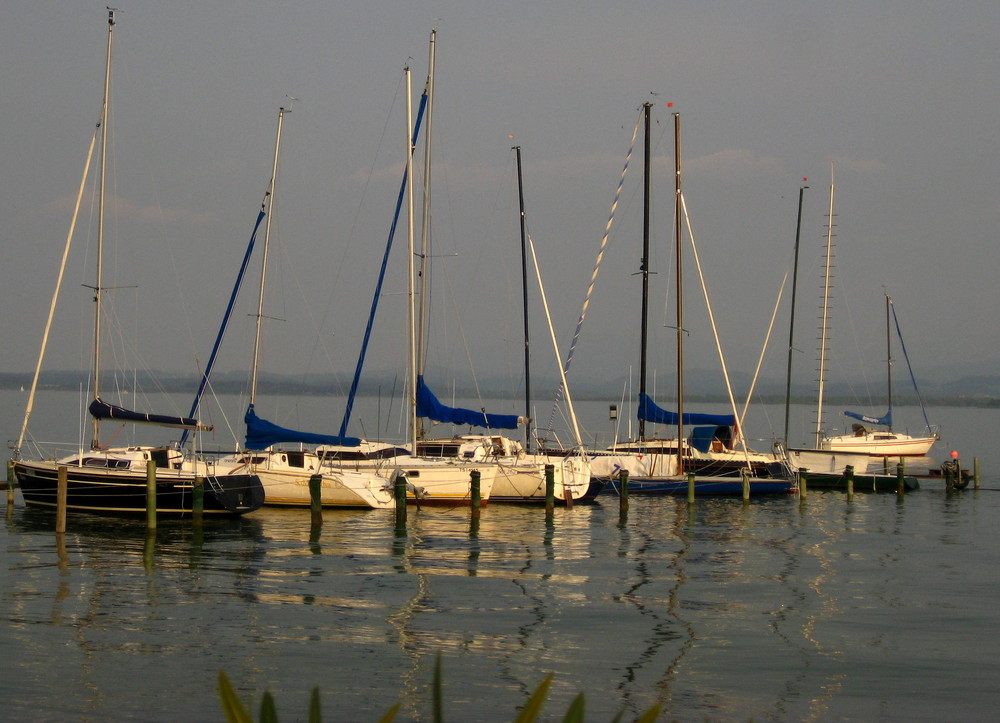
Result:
[
  {"x": 661, "y": 466},
  {"x": 103, "y": 479},
  {"x": 285, "y": 473},
  {"x": 436, "y": 473},
  {"x": 521, "y": 473},
  {"x": 864, "y": 450},
  {"x": 882, "y": 442}
]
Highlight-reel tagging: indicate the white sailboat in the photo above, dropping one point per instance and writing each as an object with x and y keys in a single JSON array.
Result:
[
  {"x": 864, "y": 449},
  {"x": 884, "y": 442},
  {"x": 285, "y": 473},
  {"x": 435, "y": 474},
  {"x": 106, "y": 479}
]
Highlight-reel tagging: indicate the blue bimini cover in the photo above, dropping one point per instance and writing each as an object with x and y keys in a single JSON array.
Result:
[
  {"x": 261, "y": 434},
  {"x": 649, "y": 412},
  {"x": 429, "y": 406}
]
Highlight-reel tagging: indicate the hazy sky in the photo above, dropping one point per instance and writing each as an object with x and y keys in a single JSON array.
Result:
[{"x": 901, "y": 95}]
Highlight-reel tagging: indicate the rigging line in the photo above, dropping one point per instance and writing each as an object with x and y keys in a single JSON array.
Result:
[
  {"x": 902, "y": 346},
  {"x": 55, "y": 294},
  {"x": 357, "y": 213},
  {"x": 763, "y": 350},
  {"x": 603, "y": 247},
  {"x": 597, "y": 263},
  {"x": 715, "y": 331}
]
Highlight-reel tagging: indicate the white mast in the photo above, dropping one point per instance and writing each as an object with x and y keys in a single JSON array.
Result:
[
  {"x": 425, "y": 231},
  {"x": 269, "y": 204},
  {"x": 824, "y": 332},
  {"x": 411, "y": 307},
  {"x": 98, "y": 290}
]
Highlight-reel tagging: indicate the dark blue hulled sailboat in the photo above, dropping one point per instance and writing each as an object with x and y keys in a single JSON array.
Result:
[{"x": 115, "y": 480}]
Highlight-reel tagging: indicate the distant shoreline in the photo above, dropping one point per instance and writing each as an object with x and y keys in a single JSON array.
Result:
[{"x": 333, "y": 388}]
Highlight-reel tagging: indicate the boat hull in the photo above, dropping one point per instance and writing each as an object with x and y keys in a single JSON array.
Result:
[
  {"x": 109, "y": 491},
  {"x": 719, "y": 486},
  {"x": 862, "y": 482},
  {"x": 882, "y": 445},
  {"x": 524, "y": 480}
]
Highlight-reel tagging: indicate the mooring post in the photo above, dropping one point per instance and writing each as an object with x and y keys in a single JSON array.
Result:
[
  {"x": 316, "y": 499},
  {"x": 900, "y": 478},
  {"x": 550, "y": 489},
  {"x": 198, "y": 501},
  {"x": 745, "y": 474},
  {"x": 399, "y": 493},
  {"x": 623, "y": 495},
  {"x": 62, "y": 483},
  {"x": 476, "y": 496},
  {"x": 11, "y": 478},
  {"x": 803, "y": 484},
  {"x": 690, "y": 488},
  {"x": 150, "y": 494},
  {"x": 849, "y": 476},
  {"x": 975, "y": 472}
]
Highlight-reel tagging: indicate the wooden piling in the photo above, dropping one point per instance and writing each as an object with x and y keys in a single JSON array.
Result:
[
  {"x": 623, "y": 495},
  {"x": 475, "y": 494},
  {"x": 11, "y": 479},
  {"x": 900, "y": 478},
  {"x": 803, "y": 484},
  {"x": 690, "y": 488},
  {"x": 316, "y": 499},
  {"x": 745, "y": 474},
  {"x": 150, "y": 494},
  {"x": 399, "y": 493},
  {"x": 975, "y": 473},
  {"x": 198, "y": 501},
  {"x": 550, "y": 489},
  {"x": 62, "y": 484},
  {"x": 849, "y": 476}
]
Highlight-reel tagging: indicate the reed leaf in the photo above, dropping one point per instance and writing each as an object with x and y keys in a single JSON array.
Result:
[
  {"x": 268, "y": 710},
  {"x": 231, "y": 705},
  {"x": 534, "y": 705},
  {"x": 575, "y": 712}
]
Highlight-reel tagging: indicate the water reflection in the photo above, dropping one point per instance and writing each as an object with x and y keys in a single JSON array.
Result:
[{"x": 775, "y": 609}]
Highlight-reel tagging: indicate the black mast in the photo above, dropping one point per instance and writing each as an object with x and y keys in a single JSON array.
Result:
[{"x": 524, "y": 295}]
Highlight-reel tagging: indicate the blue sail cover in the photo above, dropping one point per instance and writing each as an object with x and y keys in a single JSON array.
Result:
[
  {"x": 429, "y": 406},
  {"x": 100, "y": 409},
  {"x": 650, "y": 412},
  {"x": 261, "y": 434},
  {"x": 885, "y": 420}
]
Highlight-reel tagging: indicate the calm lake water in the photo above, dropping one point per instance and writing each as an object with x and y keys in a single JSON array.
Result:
[{"x": 827, "y": 609}]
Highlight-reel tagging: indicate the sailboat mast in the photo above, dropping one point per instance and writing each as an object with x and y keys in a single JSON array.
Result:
[
  {"x": 425, "y": 231},
  {"x": 888, "y": 355},
  {"x": 644, "y": 265},
  {"x": 678, "y": 207},
  {"x": 791, "y": 320},
  {"x": 411, "y": 302},
  {"x": 825, "y": 317},
  {"x": 269, "y": 202},
  {"x": 524, "y": 305},
  {"x": 98, "y": 284}
]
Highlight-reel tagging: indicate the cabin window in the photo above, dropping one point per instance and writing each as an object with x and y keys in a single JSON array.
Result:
[
  {"x": 296, "y": 459},
  {"x": 102, "y": 462}
]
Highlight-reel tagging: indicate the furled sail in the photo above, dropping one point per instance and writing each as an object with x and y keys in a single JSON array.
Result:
[
  {"x": 885, "y": 420},
  {"x": 650, "y": 412},
  {"x": 100, "y": 409},
  {"x": 261, "y": 434},
  {"x": 429, "y": 406}
]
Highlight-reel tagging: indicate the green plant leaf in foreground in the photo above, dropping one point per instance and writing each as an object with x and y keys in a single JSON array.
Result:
[
  {"x": 534, "y": 705},
  {"x": 231, "y": 705}
]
